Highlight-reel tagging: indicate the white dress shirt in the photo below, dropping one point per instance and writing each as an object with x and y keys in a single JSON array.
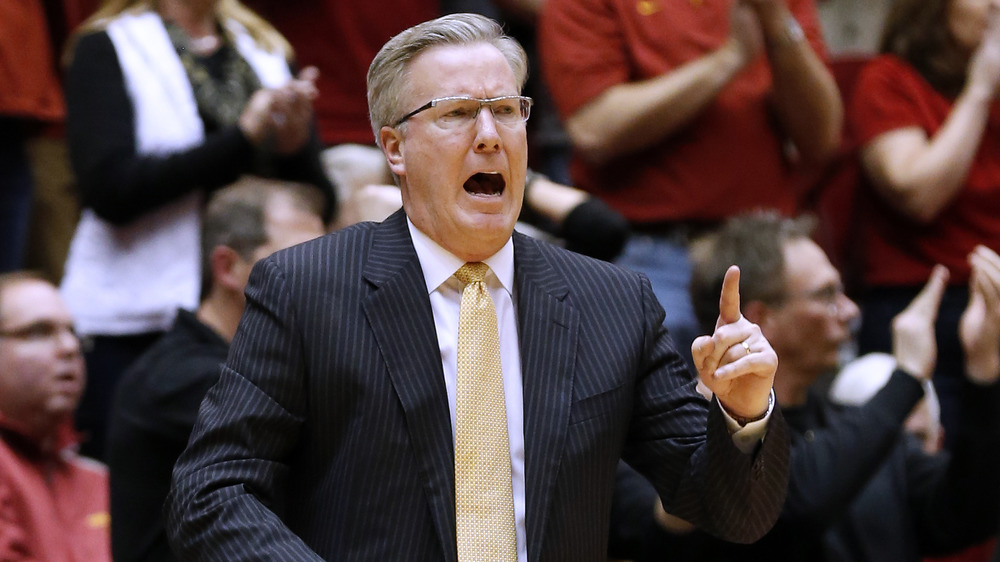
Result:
[{"x": 445, "y": 292}]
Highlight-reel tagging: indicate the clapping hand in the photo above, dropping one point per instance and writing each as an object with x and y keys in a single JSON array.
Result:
[
  {"x": 736, "y": 362},
  {"x": 745, "y": 36},
  {"x": 281, "y": 117},
  {"x": 984, "y": 68},
  {"x": 913, "y": 337},
  {"x": 979, "y": 327},
  {"x": 292, "y": 111}
]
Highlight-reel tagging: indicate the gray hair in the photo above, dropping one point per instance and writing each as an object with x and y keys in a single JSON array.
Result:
[{"x": 388, "y": 73}]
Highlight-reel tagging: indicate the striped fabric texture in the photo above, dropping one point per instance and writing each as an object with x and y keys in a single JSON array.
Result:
[{"x": 328, "y": 435}]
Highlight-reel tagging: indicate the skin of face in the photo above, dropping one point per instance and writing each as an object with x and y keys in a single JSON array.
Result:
[
  {"x": 433, "y": 164},
  {"x": 41, "y": 379},
  {"x": 807, "y": 333},
  {"x": 967, "y": 21}
]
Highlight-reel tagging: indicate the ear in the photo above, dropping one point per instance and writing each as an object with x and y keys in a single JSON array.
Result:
[
  {"x": 392, "y": 146},
  {"x": 226, "y": 265},
  {"x": 757, "y": 312}
]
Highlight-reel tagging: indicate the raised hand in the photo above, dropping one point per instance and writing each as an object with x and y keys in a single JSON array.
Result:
[
  {"x": 913, "y": 337},
  {"x": 255, "y": 120},
  {"x": 745, "y": 36},
  {"x": 281, "y": 117},
  {"x": 984, "y": 68},
  {"x": 979, "y": 327},
  {"x": 292, "y": 111},
  {"x": 736, "y": 362}
]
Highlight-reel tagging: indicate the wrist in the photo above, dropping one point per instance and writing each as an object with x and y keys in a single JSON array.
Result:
[
  {"x": 978, "y": 93},
  {"x": 914, "y": 368},
  {"x": 982, "y": 370},
  {"x": 743, "y": 420},
  {"x": 732, "y": 57},
  {"x": 252, "y": 133}
]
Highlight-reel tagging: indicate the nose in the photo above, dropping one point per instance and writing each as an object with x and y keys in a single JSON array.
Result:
[
  {"x": 487, "y": 135},
  {"x": 68, "y": 343},
  {"x": 846, "y": 309}
]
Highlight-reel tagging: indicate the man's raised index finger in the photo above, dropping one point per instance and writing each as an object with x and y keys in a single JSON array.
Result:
[{"x": 729, "y": 301}]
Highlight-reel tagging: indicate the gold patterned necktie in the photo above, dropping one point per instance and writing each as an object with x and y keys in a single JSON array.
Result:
[{"x": 484, "y": 503}]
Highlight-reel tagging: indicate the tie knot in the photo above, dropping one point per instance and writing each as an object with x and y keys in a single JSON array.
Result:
[{"x": 473, "y": 272}]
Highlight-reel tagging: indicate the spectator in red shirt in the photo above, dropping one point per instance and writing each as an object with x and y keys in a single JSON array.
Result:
[
  {"x": 53, "y": 503},
  {"x": 927, "y": 121},
  {"x": 683, "y": 113}
]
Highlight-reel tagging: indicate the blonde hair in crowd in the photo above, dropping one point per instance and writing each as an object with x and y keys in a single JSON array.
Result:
[
  {"x": 387, "y": 74},
  {"x": 259, "y": 29}
]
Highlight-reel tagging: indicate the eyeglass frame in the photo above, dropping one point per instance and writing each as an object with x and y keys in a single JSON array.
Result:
[
  {"x": 828, "y": 295},
  {"x": 434, "y": 102},
  {"x": 37, "y": 331}
]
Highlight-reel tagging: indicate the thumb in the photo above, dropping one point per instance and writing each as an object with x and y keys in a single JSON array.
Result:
[
  {"x": 309, "y": 73},
  {"x": 929, "y": 298}
]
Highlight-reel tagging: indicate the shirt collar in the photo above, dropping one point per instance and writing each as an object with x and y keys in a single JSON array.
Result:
[
  {"x": 439, "y": 264},
  {"x": 66, "y": 436}
]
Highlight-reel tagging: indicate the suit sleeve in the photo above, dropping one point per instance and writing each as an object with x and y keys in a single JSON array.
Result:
[
  {"x": 700, "y": 474},
  {"x": 227, "y": 498}
]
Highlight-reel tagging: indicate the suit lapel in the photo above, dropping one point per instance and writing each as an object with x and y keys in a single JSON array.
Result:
[
  {"x": 399, "y": 313},
  {"x": 548, "y": 333}
]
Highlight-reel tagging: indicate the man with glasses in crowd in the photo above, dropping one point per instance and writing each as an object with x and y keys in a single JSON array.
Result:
[
  {"x": 438, "y": 387},
  {"x": 860, "y": 487},
  {"x": 53, "y": 503}
]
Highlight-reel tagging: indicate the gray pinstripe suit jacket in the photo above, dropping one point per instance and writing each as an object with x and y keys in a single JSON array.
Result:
[{"x": 328, "y": 434}]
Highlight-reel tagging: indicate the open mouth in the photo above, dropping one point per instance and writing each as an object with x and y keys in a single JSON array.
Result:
[{"x": 485, "y": 183}]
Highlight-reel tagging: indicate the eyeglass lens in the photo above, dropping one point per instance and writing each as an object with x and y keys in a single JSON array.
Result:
[{"x": 462, "y": 111}]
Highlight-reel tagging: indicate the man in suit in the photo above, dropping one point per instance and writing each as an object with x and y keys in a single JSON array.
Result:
[{"x": 336, "y": 426}]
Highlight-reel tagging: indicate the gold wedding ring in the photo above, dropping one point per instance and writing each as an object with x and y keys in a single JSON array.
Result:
[{"x": 746, "y": 346}]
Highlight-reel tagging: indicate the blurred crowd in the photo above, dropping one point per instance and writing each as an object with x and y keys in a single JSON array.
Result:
[{"x": 151, "y": 151}]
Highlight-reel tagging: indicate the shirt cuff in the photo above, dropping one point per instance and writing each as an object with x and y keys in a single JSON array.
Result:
[{"x": 747, "y": 437}]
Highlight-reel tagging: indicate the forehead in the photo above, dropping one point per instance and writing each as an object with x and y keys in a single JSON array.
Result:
[
  {"x": 806, "y": 266},
  {"x": 957, "y": 8},
  {"x": 27, "y": 301},
  {"x": 967, "y": 4},
  {"x": 477, "y": 69}
]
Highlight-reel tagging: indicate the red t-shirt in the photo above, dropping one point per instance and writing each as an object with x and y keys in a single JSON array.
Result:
[
  {"x": 28, "y": 84},
  {"x": 341, "y": 37},
  {"x": 729, "y": 159},
  {"x": 890, "y": 95},
  {"x": 52, "y": 506}
]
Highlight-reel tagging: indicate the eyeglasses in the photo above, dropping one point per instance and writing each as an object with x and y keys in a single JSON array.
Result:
[
  {"x": 828, "y": 295},
  {"x": 461, "y": 111},
  {"x": 37, "y": 332}
]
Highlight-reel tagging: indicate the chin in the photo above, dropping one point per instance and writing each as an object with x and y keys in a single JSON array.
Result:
[
  {"x": 63, "y": 405},
  {"x": 490, "y": 226}
]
